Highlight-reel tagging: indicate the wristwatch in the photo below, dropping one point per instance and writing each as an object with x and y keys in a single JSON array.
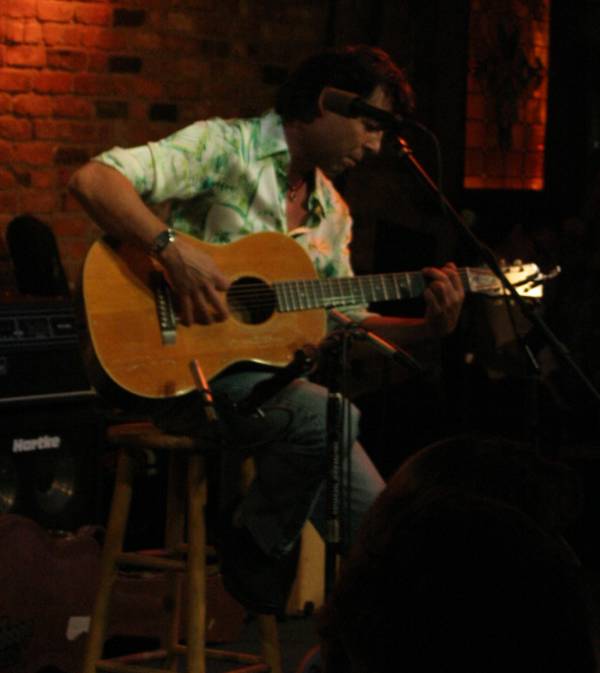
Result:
[{"x": 162, "y": 241}]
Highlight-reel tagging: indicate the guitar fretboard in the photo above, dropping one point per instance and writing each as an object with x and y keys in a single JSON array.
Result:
[{"x": 298, "y": 295}]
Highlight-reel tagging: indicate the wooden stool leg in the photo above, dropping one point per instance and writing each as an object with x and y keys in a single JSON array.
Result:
[
  {"x": 196, "y": 561},
  {"x": 269, "y": 642},
  {"x": 267, "y": 624},
  {"x": 174, "y": 538},
  {"x": 113, "y": 545}
]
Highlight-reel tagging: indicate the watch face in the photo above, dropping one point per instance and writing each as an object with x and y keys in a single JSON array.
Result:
[{"x": 162, "y": 240}]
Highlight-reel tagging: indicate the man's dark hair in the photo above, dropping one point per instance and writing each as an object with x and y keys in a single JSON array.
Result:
[{"x": 358, "y": 69}]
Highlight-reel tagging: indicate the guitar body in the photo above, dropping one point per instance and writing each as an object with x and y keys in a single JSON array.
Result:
[{"x": 122, "y": 318}]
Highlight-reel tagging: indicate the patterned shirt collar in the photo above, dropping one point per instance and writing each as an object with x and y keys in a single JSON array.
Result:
[
  {"x": 272, "y": 137},
  {"x": 273, "y": 142}
]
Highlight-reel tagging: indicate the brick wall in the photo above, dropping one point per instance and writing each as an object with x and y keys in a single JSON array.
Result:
[{"x": 79, "y": 77}]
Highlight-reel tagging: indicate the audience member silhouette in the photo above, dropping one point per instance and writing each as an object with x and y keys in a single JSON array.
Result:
[{"x": 461, "y": 566}]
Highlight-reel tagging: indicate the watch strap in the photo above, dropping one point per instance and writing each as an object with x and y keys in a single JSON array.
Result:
[{"x": 161, "y": 241}]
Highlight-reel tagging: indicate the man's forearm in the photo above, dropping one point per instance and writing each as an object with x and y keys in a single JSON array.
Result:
[{"x": 111, "y": 201}]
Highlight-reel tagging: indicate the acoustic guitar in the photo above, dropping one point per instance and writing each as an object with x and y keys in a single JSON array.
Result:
[{"x": 276, "y": 302}]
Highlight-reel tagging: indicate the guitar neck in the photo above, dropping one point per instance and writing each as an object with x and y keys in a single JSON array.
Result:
[{"x": 309, "y": 294}]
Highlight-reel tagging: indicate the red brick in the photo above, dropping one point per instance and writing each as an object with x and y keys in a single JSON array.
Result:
[
  {"x": 7, "y": 179},
  {"x": 70, "y": 204},
  {"x": 4, "y": 220},
  {"x": 33, "y": 33},
  {"x": 23, "y": 177},
  {"x": 95, "y": 85},
  {"x": 64, "y": 173},
  {"x": 73, "y": 248},
  {"x": 141, "y": 133},
  {"x": 53, "y": 82},
  {"x": 15, "y": 129},
  {"x": 59, "y": 34},
  {"x": 100, "y": 132},
  {"x": 66, "y": 59},
  {"x": 40, "y": 201},
  {"x": 5, "y": 103},
  {"x": 72, "y": 106},
  {"x": 97, "y": 14},
  {"x": 25, "y": 56},
  {"x": 34, "y": 153},
  {"x": 147, "y": 88},
  {"x": 147, "y": 41},
  {"x": 14, "y": 81},
  {"x": 52, "y": 129},
  {"x": 52, "y": 10},
  {"x": 31, "y": 105},
  {"x": 43, "y": 179},
  {"x": 101, "y": 38},
  {"x": 97, "y": 61},
  {"x": 185, "y": 90},
  {"x": 9, "y": 202},
  {"x": 138, "y": 110},
  {"x": 67, "y": 155},
  {"x": 181, "y": 23},
  {"x": 19, "y": 9},
  {"x": 6, "y": 152},
  {"x": 180, "y": 44},
  {"x": 14, "y": 31},
  {"x": 68, "y": 130},
  {"x": 71, "y": 224}
]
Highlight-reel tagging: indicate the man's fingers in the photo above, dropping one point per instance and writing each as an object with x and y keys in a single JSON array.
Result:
[
  {"x": 186, "y": 309},
  {"x": 434, "y": 303},
  {"x": 215, "y": 299}
]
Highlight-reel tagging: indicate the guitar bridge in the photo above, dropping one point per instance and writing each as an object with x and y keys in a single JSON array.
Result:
[{"x": 163, "y": 299}]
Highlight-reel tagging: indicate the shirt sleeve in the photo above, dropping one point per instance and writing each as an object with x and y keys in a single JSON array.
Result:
[{"x": 180, "y": 166}]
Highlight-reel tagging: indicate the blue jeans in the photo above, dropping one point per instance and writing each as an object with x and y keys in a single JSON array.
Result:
[{"x": 289, "y": 445}]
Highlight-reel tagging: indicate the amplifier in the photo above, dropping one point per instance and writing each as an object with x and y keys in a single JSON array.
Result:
[
  {"x": 40, "y": 354},
  {"x": 50, "y": 462}
]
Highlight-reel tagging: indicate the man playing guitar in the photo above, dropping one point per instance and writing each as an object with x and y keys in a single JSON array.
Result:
[{"x": 228, "y": 179}]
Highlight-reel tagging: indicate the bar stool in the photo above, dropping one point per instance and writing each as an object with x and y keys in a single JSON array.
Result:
[{"x": 185, "y": 562}]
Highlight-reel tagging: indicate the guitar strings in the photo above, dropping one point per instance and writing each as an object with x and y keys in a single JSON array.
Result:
[{"x": 321, "y": 292}]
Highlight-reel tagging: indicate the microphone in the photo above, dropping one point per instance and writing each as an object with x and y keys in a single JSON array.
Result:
[
  {"x": 350, "y": 104},
  {"x": 394, "y": 352}
]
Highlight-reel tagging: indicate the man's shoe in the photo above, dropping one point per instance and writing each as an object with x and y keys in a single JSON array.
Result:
[{"x": 259, "y": 582}]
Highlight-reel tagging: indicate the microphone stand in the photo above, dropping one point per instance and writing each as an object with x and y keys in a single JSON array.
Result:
[
  {"x": 533, "y": 316},
  {"x": 338, "y": 452},
  {"x": 335, "y": 452}
]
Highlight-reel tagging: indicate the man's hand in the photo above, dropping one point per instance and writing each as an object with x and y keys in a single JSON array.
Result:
[
  {"x": 197, "y": 281},
  {"x": 444, "y": 298}
]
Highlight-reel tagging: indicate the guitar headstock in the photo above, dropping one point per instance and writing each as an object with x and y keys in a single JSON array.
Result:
[{"x": 527, "y": 279}]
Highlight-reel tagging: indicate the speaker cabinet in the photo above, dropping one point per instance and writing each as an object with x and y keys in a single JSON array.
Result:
[{"x": 50, "y": 463}]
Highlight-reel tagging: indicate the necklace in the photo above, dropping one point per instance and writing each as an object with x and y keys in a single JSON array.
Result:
[{"x": 294, "y": 189}]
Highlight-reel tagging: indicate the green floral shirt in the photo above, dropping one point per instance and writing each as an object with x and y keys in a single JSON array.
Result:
[{"x": 228, "y": 178}]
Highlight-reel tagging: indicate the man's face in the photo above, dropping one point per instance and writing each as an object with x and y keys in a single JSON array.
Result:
[{"x": 336, "y": 143}]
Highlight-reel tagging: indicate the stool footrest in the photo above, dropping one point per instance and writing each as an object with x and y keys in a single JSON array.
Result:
[
  {"x": 134, "y": 663},
  {"x": 228, "y": 655},
  {"x": 119, "y": 667},
  {"x": 149, "y": 561}
]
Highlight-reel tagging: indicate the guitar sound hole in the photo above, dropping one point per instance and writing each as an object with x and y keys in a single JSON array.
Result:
[{"x": 251, "y": 300}]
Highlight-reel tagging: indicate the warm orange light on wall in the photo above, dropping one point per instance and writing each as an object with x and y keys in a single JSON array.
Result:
[{"x": 507, "y": 94}]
